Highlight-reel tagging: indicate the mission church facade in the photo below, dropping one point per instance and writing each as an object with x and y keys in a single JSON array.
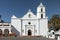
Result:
[{"x": 29, "y": 24}]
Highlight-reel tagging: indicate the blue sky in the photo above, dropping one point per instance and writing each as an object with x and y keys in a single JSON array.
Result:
[{"x": 20, "y": 7}]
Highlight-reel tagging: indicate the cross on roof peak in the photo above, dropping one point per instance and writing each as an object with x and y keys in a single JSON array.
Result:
[{"x": 29, "y": 10}]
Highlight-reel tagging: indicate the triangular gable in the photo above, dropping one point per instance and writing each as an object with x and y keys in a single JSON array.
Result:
[
  {"x": 13, "y": 16},
  {"x": 29, "y": 15}
]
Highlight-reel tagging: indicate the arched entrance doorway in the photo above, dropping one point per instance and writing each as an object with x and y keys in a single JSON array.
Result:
[
  {"x": 29, "y": 33},
  {"x": 6, "y": 32}
]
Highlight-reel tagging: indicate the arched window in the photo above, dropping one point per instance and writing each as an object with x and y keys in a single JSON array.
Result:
[
  {"x": 41, "y": 9},
  {"x": 41, "y": 15}
]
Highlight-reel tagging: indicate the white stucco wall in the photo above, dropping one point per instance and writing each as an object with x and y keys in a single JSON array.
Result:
[
  {"x": 44, "y": 27},
  {"x": 32, "y": 26},
  {"x": 58, "y": 38},
  {"x": 16, "y": 23},
  {"x": 39, "y": 27}
]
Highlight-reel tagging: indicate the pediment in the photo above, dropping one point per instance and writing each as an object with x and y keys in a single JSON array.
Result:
[
  {"x": 29, "y": 15},
  {"x": 13, "y": 16}
]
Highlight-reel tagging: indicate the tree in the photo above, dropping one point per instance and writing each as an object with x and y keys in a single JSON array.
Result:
[
  {"x": 55, "y": 22},
  {"x": 1, "y": 21}
]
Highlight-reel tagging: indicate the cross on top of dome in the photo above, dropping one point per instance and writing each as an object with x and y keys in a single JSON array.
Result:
[
  {"x": 29, "y": 10},
  {"x": 41, "y": 4}
]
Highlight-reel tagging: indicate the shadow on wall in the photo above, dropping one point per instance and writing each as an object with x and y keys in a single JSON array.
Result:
[{"x": 14, "y": 30}]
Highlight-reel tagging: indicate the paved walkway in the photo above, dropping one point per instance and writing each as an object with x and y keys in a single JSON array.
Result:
[{"x": 25, "y": 38}]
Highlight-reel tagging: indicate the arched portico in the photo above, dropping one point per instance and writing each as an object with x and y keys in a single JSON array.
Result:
[
  {"x": 0, "y": 32},
  {"x": 6, "y": 31}
]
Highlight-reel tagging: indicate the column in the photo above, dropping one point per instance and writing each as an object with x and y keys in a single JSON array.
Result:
[{"x": 10, "y": 31}]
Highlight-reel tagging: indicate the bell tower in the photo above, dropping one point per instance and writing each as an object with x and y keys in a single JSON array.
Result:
[
  {"x": 41, "y": 11},
  {"x": 42, "y": 21}
]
